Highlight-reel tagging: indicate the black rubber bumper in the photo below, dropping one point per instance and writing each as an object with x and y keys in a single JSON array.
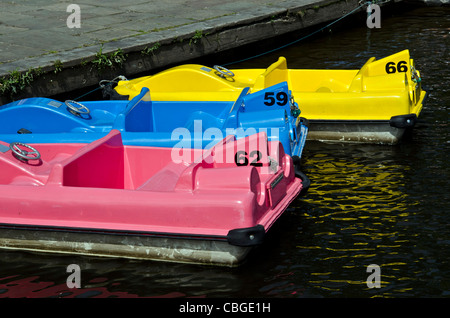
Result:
[
  {"x": 403, "y": 121},
  {"x": 249, "y": 236}
]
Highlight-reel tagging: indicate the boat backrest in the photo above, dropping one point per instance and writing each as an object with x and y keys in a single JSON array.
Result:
[
  {"x": 231, "y": 119},
  {"x": 374, "y": 74},
  {"x": 273, "y": 97},
  {"x": 392, "y": 64},
  {"x": 137, "y": 116},
  {"x": 261, "y": 109},
  {"x": 356, "y": 84},
  {"x": 214, "y": 168},
  {"x": 275, "y": 73},
  {"x": 99, "y": 164}
]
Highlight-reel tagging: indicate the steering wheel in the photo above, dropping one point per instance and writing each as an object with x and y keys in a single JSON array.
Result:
[
  {"x": 81, "y": 110},
  {"x": 23, "y": 154},
  {"x": 224, "y": 72}
]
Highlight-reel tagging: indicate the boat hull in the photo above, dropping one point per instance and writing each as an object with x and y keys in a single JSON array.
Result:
[
  {"x": 367, "y": 132},
  {"x": 125, "y": 245}
]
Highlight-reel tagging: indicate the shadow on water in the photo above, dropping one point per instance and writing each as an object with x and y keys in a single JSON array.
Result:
[{"x": 368, "y": 204}]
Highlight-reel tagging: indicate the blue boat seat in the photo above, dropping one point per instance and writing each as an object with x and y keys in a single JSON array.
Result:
[{"x": 207, "y": 121}]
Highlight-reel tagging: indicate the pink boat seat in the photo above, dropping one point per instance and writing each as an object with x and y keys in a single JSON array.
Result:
[
  {"x": 32, "y": 172},
  {"x": 166, "y": 179}
]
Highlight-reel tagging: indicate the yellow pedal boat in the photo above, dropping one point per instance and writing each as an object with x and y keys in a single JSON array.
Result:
[{"x": 374, "y": 104}]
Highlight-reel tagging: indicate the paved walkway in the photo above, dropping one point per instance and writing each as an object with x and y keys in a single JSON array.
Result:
[
  {"x": 38, "y": 28},
  {"x": 61, "y": 36}
]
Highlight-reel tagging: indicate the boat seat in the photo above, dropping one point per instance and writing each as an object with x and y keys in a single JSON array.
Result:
[
  {"x": 324, "y": 89},
  {"x": 13, "y": 172},
  {"x": 166, "y": 179},
  {"x": 33, "y": 172},
  {"x": 26, "y": 181},
  {"x": 207, "y": 121},
  {"x": 356, "y": 84}
]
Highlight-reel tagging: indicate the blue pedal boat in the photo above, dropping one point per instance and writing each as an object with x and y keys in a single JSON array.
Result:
[{"x": 143, "y": 122}]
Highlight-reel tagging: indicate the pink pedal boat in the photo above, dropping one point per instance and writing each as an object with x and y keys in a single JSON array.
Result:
[{"x": 108, "y": 199}]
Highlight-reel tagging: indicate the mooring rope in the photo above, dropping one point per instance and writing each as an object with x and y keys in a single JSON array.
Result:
[
  {"x": 361, "y": 4},
  {"x": 101, "y": 85}
]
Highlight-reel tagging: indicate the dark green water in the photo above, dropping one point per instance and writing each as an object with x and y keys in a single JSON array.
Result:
[{"x": 384, "y": 205}]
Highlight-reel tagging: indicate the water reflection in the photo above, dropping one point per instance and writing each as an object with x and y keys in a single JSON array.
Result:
[
  {"x": 36, "y": 275},
  {"x": 356, "y": 212}
]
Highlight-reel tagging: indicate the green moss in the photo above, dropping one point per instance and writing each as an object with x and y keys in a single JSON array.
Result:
[
  {"x": 58, "y": 66},
  {"x": 15, "y": 82},
  {"x": 111, "y": 60},
  {"x": 151, "y": 50},
  {"x": 197, "y": 36}
]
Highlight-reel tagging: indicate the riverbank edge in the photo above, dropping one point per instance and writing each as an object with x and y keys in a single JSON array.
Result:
[{"x": 63, "y": 72}]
